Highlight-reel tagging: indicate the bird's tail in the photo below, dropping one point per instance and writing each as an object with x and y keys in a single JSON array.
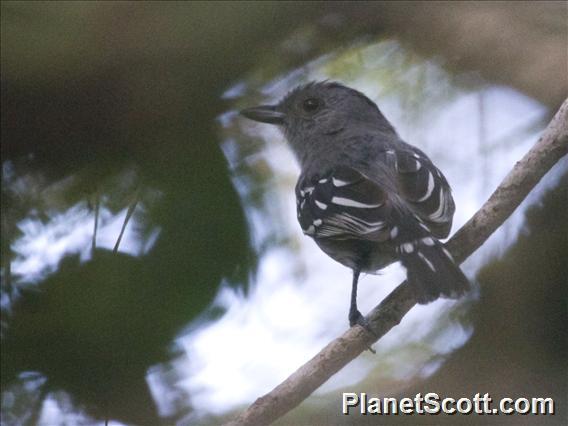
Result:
[{"x": 431, "y": 270}]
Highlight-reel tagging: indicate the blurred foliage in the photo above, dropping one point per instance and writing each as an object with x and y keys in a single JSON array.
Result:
[{"x": 77, "y": 131}]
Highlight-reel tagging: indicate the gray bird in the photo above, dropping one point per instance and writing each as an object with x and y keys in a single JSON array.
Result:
[{"x": 365, "y": 196}]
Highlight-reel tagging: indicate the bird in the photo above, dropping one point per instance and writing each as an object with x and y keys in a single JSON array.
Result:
[{"x": 365, "y": 196}]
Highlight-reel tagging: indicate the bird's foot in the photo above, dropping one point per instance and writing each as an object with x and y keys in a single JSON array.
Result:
[{"x": 356, "y": 318}]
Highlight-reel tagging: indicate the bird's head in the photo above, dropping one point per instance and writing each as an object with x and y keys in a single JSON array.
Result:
[{"x": 320, "y": 113}]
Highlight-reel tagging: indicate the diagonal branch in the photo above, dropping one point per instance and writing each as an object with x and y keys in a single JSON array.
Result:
[{"x": 551, "y": 147}]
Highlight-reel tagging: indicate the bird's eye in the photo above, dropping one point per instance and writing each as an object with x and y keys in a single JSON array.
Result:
[{"x": 311, "y": 104}]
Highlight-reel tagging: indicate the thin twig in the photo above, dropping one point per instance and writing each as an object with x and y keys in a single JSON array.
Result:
[
  {"x": 552, "y": 145},
  {"x": 129, "y": 213}
]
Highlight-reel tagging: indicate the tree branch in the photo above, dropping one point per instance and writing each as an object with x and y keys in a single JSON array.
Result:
[{"x": 552, "y": 145}]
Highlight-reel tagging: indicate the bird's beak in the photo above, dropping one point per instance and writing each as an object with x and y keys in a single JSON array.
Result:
[{"x": 265, "y": 114}]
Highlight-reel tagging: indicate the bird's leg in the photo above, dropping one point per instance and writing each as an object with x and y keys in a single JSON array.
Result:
[{"x": 355, "y": 317}]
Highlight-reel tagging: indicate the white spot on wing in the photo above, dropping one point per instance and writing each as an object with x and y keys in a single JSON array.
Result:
[
  {"x": 427, "y": 262},
  {"x": 428, "y": 241},
  {"x": 344, "y": 224},
  {"x": 393, "y": 232},
  {"x": 407, "y": 247},
  {"x": 321, "y": 205},
  {"x": 447, "y": 253},
  {"x": 317, "y": 222},
  {"x": 429, "y": 189},
  {"x": 438, "y": 215},
  {"x": 339, "y": 183},
  {"x": 347, "y": 202}
]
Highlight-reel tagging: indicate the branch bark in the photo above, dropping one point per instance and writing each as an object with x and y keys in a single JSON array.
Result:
[{"x": 551, "y": 147}]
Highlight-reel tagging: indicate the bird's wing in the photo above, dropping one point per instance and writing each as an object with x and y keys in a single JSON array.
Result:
[
  {"x": 343, "y": 204},
  {"x": 346, "y": 204},
  {"x": 424, "y": 189}
]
